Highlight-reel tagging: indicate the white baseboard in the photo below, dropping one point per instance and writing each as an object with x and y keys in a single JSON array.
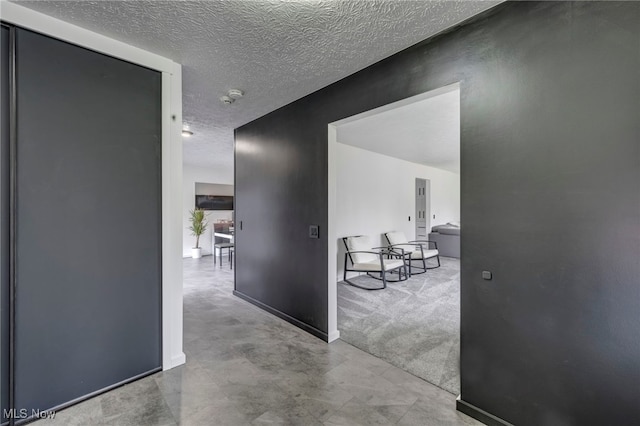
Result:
[
  {"x": 334, "y": 335},
  {"x": 176, "y": 361}
]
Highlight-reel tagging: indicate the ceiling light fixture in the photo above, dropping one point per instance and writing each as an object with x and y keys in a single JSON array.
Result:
[
  {"x": 187, "y": 133},
  {"x": 226, "y": 100}
]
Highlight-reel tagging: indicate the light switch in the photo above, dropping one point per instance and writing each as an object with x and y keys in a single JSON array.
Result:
[
  {"x": 487, "y": 275},
  {"x": 314, "y": 231}
]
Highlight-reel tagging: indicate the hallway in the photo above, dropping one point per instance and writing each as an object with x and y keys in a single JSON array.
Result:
[{"x": 245, "y": 366}]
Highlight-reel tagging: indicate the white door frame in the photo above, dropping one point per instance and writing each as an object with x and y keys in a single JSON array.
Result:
[
  {"x": 11, "y": 13},
  {"x": 332, "y": 284}
]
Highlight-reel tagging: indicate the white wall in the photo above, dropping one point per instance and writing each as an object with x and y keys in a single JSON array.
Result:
[
  {"x": 206, "y": 179},
  {"x": 376, "y": 194}
]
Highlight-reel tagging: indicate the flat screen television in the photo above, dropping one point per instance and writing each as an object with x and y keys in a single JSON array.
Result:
[{"x": 214, "y": 202}]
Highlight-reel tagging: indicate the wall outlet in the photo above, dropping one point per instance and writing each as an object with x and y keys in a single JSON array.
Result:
[
  {"x": 434, "y": 216},
  {"x": 314, "y": 231},
  {"x": 487, "y": 275}
]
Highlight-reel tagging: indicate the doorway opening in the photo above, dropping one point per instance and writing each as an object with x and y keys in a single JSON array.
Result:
[{"x": 397, "y": 169}]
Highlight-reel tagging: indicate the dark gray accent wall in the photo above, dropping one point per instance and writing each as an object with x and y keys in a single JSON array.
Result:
[
  {"x": 550, "y": 201},
  {"x": 281, "y": 194},
  {"x": 88, "y": 256},
  {"x": 4, "y": 222}
]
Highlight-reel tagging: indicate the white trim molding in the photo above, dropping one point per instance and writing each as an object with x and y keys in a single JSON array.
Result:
[
  {"x": 172, "y": 354},
  {"x": 332, "y": 315},
  {"x": 30, "y": 19},
  {"x": 333, "y": 335}
]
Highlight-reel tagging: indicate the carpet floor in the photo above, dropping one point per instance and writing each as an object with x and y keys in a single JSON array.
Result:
[{"x": 413, "y": 324}]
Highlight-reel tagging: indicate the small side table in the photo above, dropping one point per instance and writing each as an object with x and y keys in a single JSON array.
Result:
[{"x": 399, "y": 254}]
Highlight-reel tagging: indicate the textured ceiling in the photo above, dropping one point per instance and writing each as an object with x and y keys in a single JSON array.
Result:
[
  {"x": 425, "y": 132},
  {"x": 275, "y": 51}
]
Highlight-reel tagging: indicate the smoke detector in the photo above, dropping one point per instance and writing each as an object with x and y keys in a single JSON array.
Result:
[
  {"x": 235, "y": 93},
  {"x": 226, "y": 100},
  {"x": 231, "y": 96}
]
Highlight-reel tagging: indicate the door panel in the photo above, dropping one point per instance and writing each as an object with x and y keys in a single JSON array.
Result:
[
  {"x": 88, "y": 256},
  {"x": 4, "y": 226},
  {"x": 423, "y": 210}
]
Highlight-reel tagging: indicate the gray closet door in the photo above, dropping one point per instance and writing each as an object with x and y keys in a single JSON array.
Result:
[
  {"x": 423, "y": 208},
  {"x": 5, "y": 212},
  {"x": 88, "y": 256}
]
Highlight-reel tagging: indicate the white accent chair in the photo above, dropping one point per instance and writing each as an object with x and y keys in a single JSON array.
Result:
[
  {"x": 363, "y": 258},
  {"x": 418, "y": 250}
]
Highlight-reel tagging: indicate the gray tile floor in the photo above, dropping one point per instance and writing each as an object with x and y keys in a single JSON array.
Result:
[{"x": 247, "y": 367}]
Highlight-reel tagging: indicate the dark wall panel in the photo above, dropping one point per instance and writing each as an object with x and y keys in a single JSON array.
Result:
[
  {"x": 288, "y": 209},
  {"x": 88, "y": 253},
  {"x": 550, "y": 201},
  {"x": 4, "y": 223}
]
